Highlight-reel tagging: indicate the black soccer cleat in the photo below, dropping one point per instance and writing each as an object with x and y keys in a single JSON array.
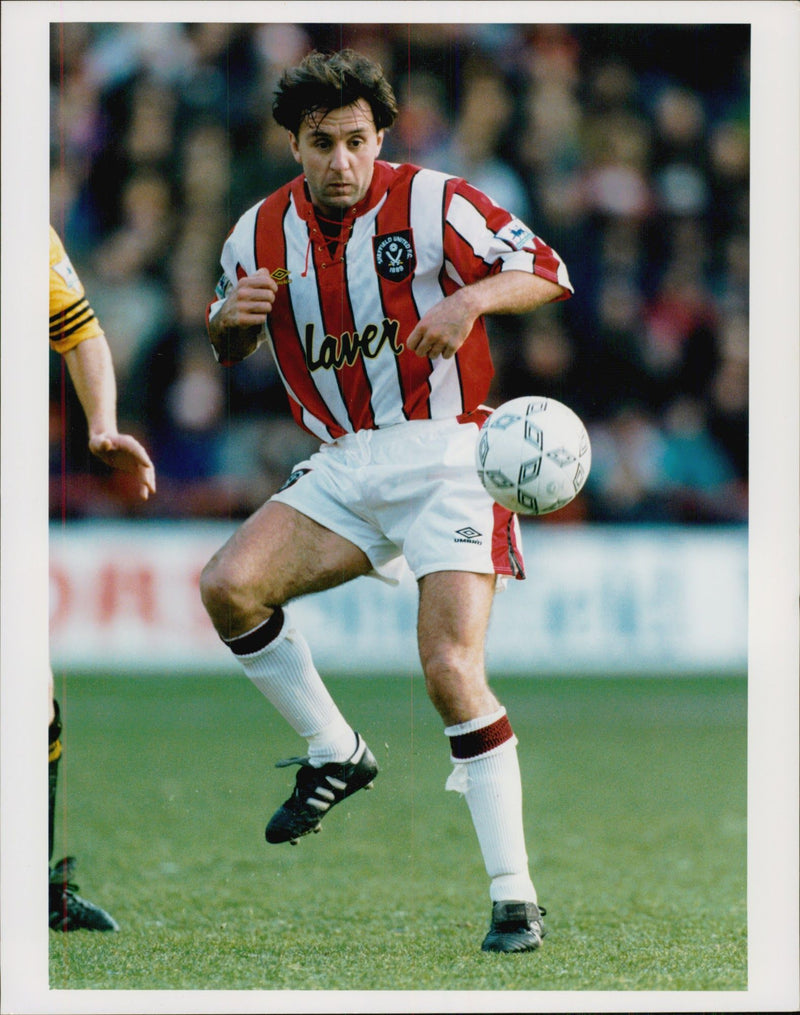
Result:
[
  {"x": 317, "y": 790},
  {"x": 68, "y": 911},
  {"x": 516, "y": 927}
]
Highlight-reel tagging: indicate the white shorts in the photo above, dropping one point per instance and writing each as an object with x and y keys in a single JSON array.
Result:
[{"x": 409, "y": 491}]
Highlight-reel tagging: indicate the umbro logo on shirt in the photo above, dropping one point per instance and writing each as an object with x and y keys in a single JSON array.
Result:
[{"x": 469, "y": 535}]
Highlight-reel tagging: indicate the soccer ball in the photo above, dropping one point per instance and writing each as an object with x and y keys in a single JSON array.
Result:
[{"x": 533, "y": 455}]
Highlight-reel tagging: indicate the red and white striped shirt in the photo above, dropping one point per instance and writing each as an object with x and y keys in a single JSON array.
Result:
[{"x": 338, "y": 326}]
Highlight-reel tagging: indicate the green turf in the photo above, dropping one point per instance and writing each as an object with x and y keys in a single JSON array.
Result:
[{"x": 635, "y": 800}]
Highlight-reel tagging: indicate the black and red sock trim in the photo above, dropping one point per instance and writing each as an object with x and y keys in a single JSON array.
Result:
[
  {"x": 464, "y": 746},
  {"x": 259, "y": 637}
]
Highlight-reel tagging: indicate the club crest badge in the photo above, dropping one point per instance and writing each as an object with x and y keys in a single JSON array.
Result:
[{"x": 395, "y": 258}]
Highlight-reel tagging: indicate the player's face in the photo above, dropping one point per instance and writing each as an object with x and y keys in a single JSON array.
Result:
[{"x": 337, "y": 151}]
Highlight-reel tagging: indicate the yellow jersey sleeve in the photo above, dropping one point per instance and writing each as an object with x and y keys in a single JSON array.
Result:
[{"x": 72, "y": 319}]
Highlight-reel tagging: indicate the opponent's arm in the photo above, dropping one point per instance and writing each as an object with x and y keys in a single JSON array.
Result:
[
  {"x": 236, "y": 329},
  {"x": 92, "y": 372},
  {"x": 445, "y": 327}
]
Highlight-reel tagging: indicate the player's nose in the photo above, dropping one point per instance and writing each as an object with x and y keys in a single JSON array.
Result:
[{"x": 339, "y": 157}]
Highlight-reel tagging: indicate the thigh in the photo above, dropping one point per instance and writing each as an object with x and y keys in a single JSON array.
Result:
[
  {"x": 330, "y": 488},
  {"x": 430, "y": 502},
  {"x": 279, "y": 553},
  {"x": 454, "y": 611}
]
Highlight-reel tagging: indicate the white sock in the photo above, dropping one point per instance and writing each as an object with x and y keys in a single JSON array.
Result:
[
  {"x": 491, "y": 783},
  {"x": 284, "y": 672}
]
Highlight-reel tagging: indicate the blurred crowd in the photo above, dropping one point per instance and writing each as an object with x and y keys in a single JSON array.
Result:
[{"x": 626, "y": 147}]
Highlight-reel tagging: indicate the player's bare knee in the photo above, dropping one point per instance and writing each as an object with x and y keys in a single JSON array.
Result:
[
  {"x": 213, "y": 589},
  {"x": 234, "y": 603},
  {"x": 456, "y": 684},
  {"x": 444, "y": 662},
  {"x": 223, "y": 597},
  {"x": 444, "y": 676}
]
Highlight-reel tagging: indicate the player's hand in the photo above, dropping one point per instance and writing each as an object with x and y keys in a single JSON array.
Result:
[
  {"x": 236, "y": 330},
  {"x": 250, "y": 301},
  {"x": 442, "y": 330},
  {"x": 123, "y": 452}
]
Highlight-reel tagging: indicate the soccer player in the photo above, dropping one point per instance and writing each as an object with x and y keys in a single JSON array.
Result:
[
  {"x": 370, "y": 281},
  {"x": 76, "y": 333}
]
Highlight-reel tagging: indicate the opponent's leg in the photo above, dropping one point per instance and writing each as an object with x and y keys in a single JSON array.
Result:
[
  {"x": 66, "y": 909},
  {"x": 277, "y": 554},
  {"x": 454, "y": 610},
  {"x": 53, "y": 759}
]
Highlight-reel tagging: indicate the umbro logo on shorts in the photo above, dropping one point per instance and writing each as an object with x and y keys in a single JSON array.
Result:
[
  {"x": 297, "y": 474},
  {"x": 469, "y": 535}
]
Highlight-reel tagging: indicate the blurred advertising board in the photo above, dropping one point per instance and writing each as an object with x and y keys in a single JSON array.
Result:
[{"x": 599, "y": 600}]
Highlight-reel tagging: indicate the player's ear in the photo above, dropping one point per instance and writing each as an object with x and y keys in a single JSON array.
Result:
[
  {"x": 295, "y": 148},
  {"x": 380, "y": 136}
]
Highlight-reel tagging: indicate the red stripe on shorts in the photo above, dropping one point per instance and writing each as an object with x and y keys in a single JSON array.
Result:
[{"x": 506, "y": 551}]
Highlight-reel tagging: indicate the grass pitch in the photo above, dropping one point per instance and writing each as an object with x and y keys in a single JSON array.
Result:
[{"x": 635, "y": 804}]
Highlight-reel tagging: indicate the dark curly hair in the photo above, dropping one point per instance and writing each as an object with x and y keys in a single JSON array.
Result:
[{"x": 325, "y": 81}]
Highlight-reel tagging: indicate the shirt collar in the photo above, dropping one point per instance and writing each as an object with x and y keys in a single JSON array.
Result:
[{"x": 382, "y": 176}]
